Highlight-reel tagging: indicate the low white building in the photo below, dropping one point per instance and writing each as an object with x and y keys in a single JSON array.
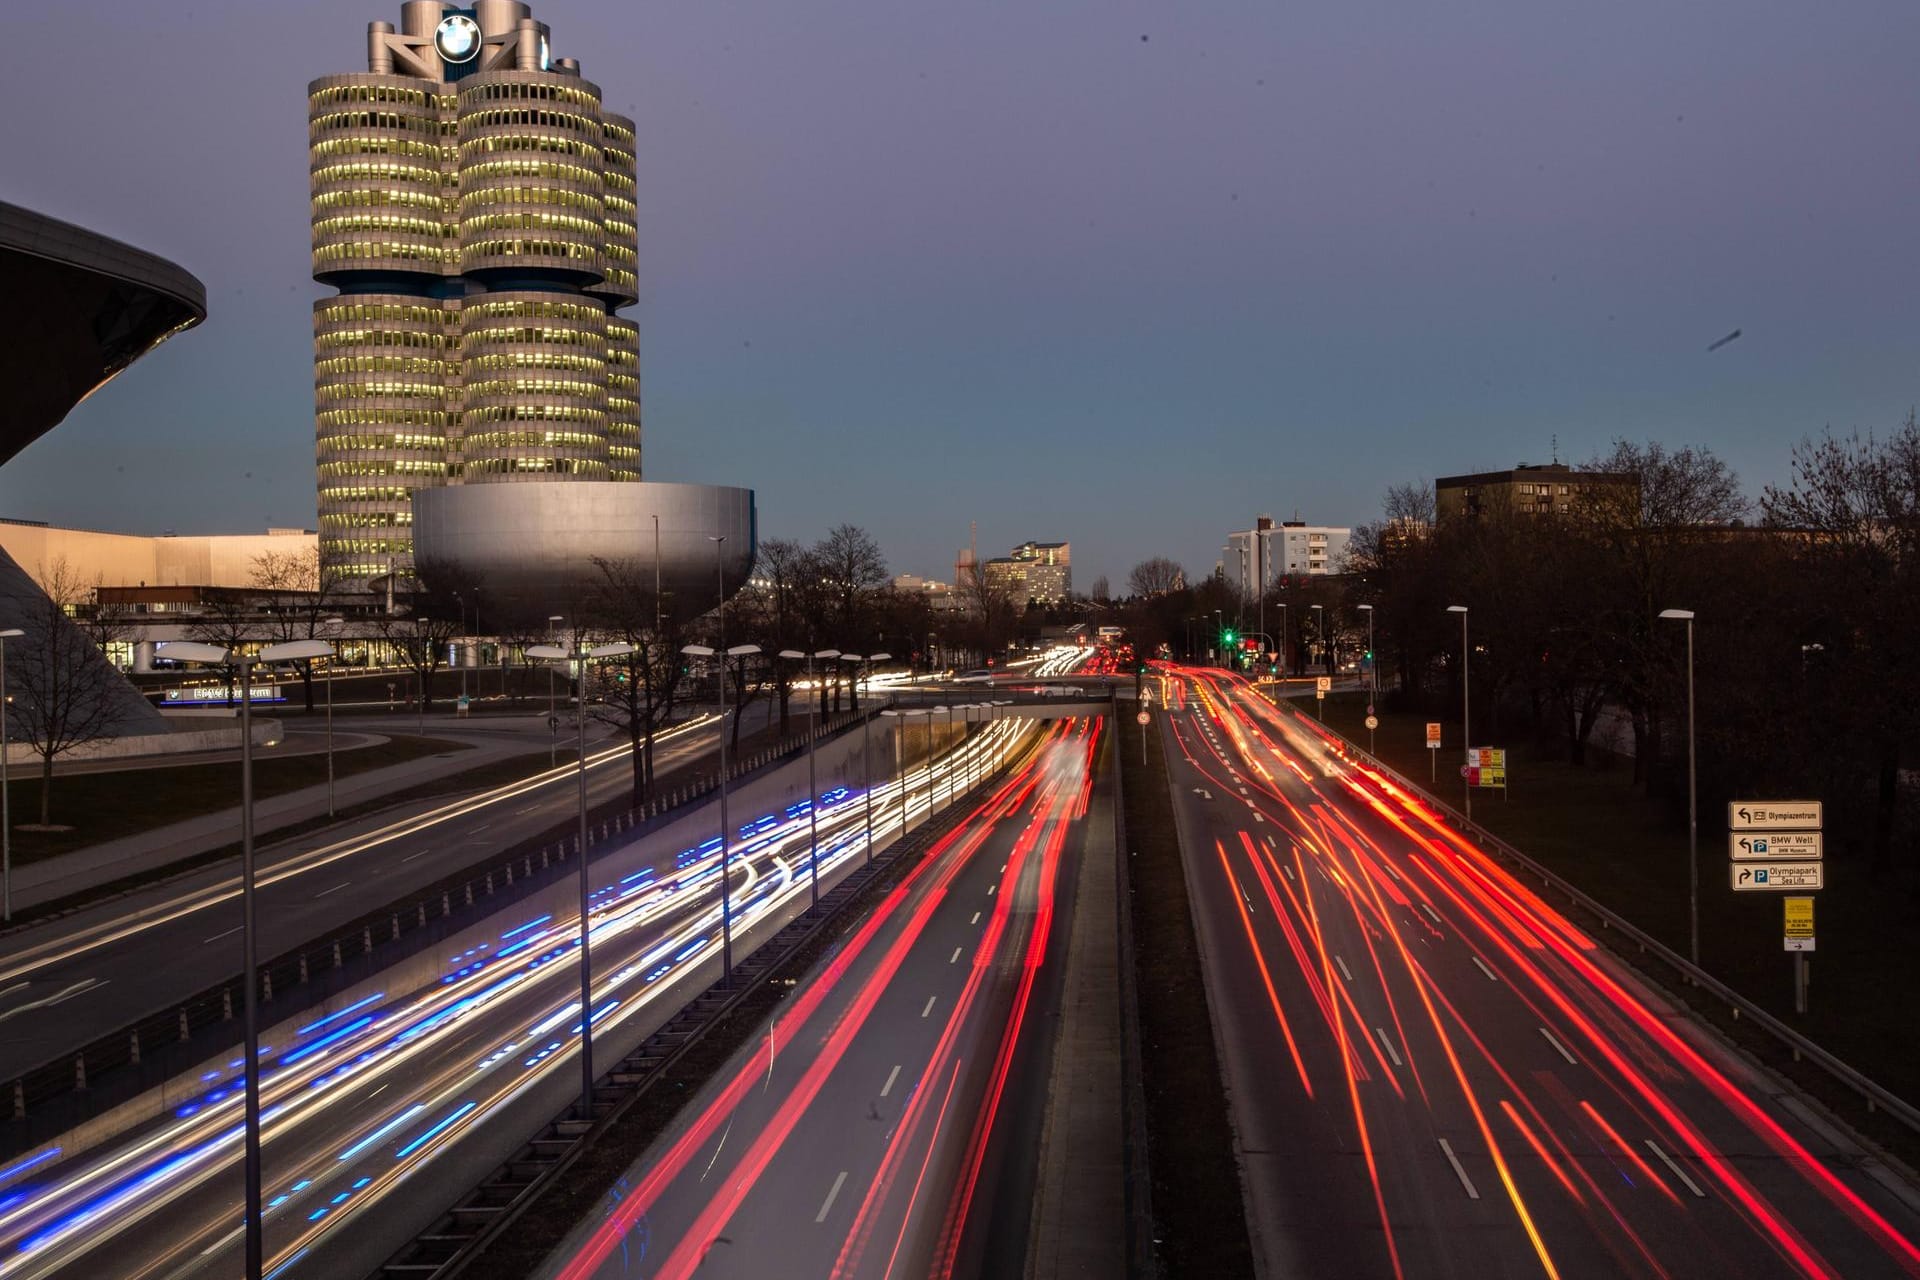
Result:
[{"x": 1269, "y": 552}]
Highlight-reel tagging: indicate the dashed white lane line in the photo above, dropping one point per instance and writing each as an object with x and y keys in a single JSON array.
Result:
[
  {"x": 1395, "y": 874},
  {"x": 1491, "y": 975},
  {"x": 976, "y": 918},
  {"x": 826, "y": 1206},
  {"x": 991, "y": 888},
  {"x": 410, "y": 857},
  {"x": 1388, "y": 1046},
  {"x": 1344, "y": 971},
  {"x": 228, "y": 934},
  {"x": 337, "y": 888},
  {"x": 1678, "y": 1172},
  {"x": 1434, "y": 915},
  {"x": 929, "y": 1009},
  {"x": 892, "y": 1075},
  {"x": 1472, "y": 1192},
  {"x": 1558, "y": 1047},
  {"x": 955, "y": 957}
]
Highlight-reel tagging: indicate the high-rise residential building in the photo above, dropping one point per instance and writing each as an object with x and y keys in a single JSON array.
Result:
[
  {"x": 473, "y": 203},
  {"x": 1041, "y": 571},
  {"x": 1549, "y": 488},
  {"x": 1269, "y": 552}
]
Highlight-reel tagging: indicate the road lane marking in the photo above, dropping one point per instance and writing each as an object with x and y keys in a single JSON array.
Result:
[
  {"x": 1491, "y": 976},
  {"x": 826, "y": 1206},
  {"x": 976, "y": 918},
  {"x": 892, "y": 1075},
  {"x": 1390, "y": 871},
  {"x": 1678, "y": 1172},
  {"x": 929, "y": 1009},
  {"x": 1465, "y": 1181},
  {"x": 1431, "y": 912},
  {"x": 15, "y": 987},
  {"x": 1558, "y": 1047},
  {"x": 991, "y": 888},
  {"x": 228, "y": 934},
  {"x": 410, "y": 857},
  {"x": 337, "y": 888},
  {"x": 1346, "y": 972},
  {"x": 955, "y": 957},
  {"x": 1288, "y": 870},
  {"x": 1388, "y": 1046}
]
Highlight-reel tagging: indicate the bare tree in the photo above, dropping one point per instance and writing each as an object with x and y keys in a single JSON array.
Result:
[
  {"x": 305, "y": 591},
  {"x": 623, "y": 605},
  {"x": 1100, "y": 592},
  {"x": 66, "y": 694},
  {"x": 228, "y": 620},
  {"x": 1155, "y": 577},
  {"x": 852, "y": 572}
]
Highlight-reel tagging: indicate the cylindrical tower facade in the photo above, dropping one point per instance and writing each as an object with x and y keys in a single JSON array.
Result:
[{"x": 475, "y": 207}]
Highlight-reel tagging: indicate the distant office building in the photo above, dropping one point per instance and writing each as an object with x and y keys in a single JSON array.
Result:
[
  {"x": 1269, "y": 552},
  {"x": 473, "y": 203},
  {"x": 941, "y": 596},
  {"x": 1041, "y": 571},
  {"x": 1543, "y": 489}
]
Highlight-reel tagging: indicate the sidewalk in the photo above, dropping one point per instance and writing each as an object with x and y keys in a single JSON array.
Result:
[{"x": 95, "y": 865}]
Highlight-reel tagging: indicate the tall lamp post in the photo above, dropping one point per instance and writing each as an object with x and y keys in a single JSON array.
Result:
[
  {"x": 333, "y": 625},
  {"x": 1693, "y": 803},
  {"x": 813, "y": 782},
  {"x": 726, "y": 830},
  {"x": 423, "y": 627},
  {"x": 1373, "y": 683},
  {"x": 553, "y": 722},
  {"x": 1320, "y": 704},
  {"x": 1283, "y": 635},
  {"x": 1466, "y": 727},
  {"x": 866, "y": 752},
  {"x": 584, "y": 655},
  {"x": 213, "y": 655},
  {"x": 6, "y": 814}
]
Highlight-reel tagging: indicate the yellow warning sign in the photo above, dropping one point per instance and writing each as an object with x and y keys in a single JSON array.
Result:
[{"x": 1799, "y": 923}]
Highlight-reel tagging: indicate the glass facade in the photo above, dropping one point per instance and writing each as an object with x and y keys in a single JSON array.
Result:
[{"x": 478, "y": 221}]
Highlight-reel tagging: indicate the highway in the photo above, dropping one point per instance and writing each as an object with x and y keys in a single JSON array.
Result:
[
  {"x": 1431, "y": 1073},
  {"x": 886, "y": 1123},
  {"x": 107, "y": 965},
  {"x": 379, "y": 1113}
]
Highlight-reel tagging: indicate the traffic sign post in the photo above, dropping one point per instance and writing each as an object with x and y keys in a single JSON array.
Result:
[
  {"x": 1321, "y": 685},
  {"x": 1142, "y": 719},
  {"x": 1486, "y": 767},
  {"x": 1778, "y": 845},
  {"x": 1799, "y": 940},
  {"x": 1433, "y": 747}
]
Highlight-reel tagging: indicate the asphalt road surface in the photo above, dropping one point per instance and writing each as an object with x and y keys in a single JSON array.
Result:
[
  {"x": 1431, "y": 1073},
  {"x": 887, "y": 1122}
]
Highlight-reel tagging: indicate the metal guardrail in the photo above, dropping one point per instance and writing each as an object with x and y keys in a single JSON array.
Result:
[
  {"x": 458, "y": 1239},
  {"x": 120, "y": 1065},
  {"x": 1876, "y": 1095}
]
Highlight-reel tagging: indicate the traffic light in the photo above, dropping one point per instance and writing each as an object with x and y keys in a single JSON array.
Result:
[{"x": 1230, "y": 636}]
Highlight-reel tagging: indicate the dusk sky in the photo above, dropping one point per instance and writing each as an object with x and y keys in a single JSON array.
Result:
[{"x": 1115, "y": 272}]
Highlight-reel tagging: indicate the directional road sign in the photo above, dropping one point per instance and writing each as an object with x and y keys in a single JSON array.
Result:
[
  {"x": 1799, "y": 932},
  {"x": 1745, "y": 846},
  {"x": 1773, "y": 815},
  {"x": 1764, "y": 876},
  {"x": 1433, "y": 735}
]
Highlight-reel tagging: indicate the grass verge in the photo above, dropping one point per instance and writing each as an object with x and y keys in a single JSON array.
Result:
[
  {"x": 124, "y": 802},
  {"x": 1200, "y": 1225}
]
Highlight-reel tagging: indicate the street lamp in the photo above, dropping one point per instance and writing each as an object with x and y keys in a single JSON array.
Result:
[
  {"x": 424, "y": 628},
  {"x": 6, "y": 816},
  {"x": 1466, "y": 730},
  {"x": 333, "y": 625},
  {"x": 1693, "y": 803},
  {"x": 1320, "y": 704},
  {"x": 553, "y": 719},
  {"x": 726, "y": 832},
  {"x": 213, "y": 655},
  {"x": 899, "y": 760},
  {"x": 813, "y": 783},
  {"x": 554, "y": 653},
  {"x": 1373, "y": 681},
  {"x": 866, "y": 754}
]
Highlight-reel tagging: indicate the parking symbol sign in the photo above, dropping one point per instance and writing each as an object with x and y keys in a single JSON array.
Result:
[{"x": 1760, "y": 876}]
